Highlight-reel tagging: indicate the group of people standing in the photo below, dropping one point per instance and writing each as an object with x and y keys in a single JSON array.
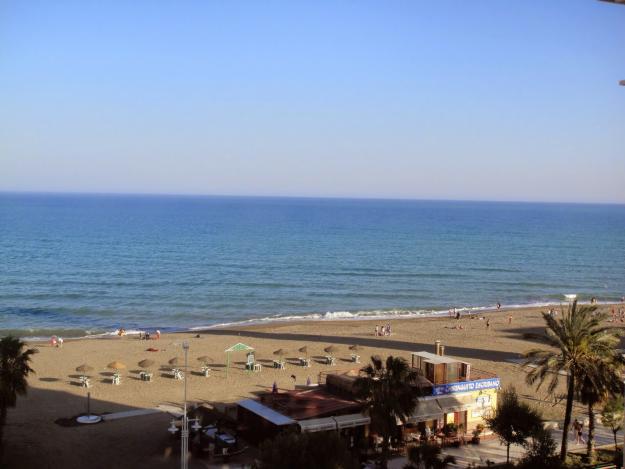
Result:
[{"x": 384, "y": 329}]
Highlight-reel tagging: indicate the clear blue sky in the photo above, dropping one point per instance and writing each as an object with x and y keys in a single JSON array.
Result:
[{"x": 495, "y": 100}]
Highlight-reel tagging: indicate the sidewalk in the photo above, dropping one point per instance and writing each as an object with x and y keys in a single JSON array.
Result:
[{"x": 494, "y": 451}]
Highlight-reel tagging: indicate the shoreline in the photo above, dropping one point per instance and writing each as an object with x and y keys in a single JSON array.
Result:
[{"x": 317, "y": 318}]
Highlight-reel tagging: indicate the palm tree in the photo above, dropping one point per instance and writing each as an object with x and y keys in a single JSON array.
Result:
[
  {"x": 575, "y": 338},
  {"x": 428, "y": 457},
  {"x": 14, "y": 369},
  {"x": 600, "y": 380},
  {"x": 388, "y": 396}
]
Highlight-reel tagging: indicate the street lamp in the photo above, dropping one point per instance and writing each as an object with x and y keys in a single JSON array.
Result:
[{"x": 184, "y": 452}]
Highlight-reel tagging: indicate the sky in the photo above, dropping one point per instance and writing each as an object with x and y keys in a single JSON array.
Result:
[{"x": 480, "y": 100}]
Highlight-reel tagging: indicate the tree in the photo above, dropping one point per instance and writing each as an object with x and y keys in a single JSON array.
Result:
[
  {"x": 612, "y": 415},
  {"x": 14, "y": 369},
  {"x": 388, "y": 396},
  {"x": 426, "y": 456},
  {"x": 323, "y": 450},
  {"x": 600, "y": 379},
  {"x": 513, "y": 421},
  {"x": 574, "y": 337},
  {"x": 541, "y": 452}
]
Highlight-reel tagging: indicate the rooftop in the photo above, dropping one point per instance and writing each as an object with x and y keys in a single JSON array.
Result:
[
  {"x": 437, "y": 359},
  {"x": 308, "y": 404}
]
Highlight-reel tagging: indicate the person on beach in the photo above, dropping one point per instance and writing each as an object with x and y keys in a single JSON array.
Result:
[
  {"x": 488, "y": 324},
  {"x": 510, "y": 319},
  {"x": 158, "y": 334},
  {"x": 377, "y": 330},
  {"x": 498, "y": 306}
]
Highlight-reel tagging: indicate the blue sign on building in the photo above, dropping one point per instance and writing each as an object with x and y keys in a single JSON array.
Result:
[{"x": 465, "y": 386}]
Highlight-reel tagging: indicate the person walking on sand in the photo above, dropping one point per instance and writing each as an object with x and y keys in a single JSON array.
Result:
[
  {"x": 377, "y": 330},
  {"x": 488, "y": 324},
  {"x": 510, "y": 319},
  {"x": 498, "y": 306}
]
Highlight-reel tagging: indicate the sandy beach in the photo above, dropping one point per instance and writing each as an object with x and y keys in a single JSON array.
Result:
[{"x": 33, "y": 439}]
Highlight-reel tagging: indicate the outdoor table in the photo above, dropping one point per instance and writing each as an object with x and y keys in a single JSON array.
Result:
[{"x": 258, "y": 367}]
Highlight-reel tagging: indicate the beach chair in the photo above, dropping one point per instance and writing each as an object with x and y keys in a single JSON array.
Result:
[
  {"x": 206, "y": 371},
  {"x": 257, "y": 367},
  {"x": 178, "y": 374},
  {"x": 355, "y": 358},
  {"x": 85, "y": 382},
  {"x": 116, "y": 379},
  {"x": 250, "y": 362},
  {"x": 330, "y": 360}
]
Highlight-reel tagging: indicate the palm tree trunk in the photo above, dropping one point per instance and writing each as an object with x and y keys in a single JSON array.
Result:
[
  {"x": 384, "y": 456},
  {"x": 3, "y": 418},
  {"x": 567, "y": 416},
  {"x": 508, "y": 453},
  {"x": 615, "y": 442},
  {"x": 590, "y": 444}
]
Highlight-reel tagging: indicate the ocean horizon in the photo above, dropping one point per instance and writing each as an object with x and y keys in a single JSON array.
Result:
[{"x": 82, "y": 264}]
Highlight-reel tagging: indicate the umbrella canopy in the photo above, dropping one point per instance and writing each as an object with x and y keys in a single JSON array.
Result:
[
  {"x": 280, "y": 352},
  {"x": 331, "y": 349},
  {"x": 204, "y": 359},
  {"x": 303, "y": 349},
  {"x": 147, "y": 363},
  {"x": 174, "y": 361},
  {"x": 84, "y": 368},
  {"x": 116, "y": 365},
  {"x": 355, "y": 348}
]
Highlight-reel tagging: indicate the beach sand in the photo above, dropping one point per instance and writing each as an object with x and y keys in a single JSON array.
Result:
[{"x": 33, "y": 439}]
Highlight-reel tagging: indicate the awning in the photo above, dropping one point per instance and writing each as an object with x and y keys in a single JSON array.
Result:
[
  {"x": 317, "y": 425},
  {"x": 351, "y": 420},
  {"x": 266, "y": 412},
  {"x": 426, "y": 410},
  {"x": 459, "y": 403}
]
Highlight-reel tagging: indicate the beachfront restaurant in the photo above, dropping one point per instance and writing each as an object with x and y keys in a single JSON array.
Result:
[
  {"x": 454, "y": 392},
  {"x": 308, "y": 410}
]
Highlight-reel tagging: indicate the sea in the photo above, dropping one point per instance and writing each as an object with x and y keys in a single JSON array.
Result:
[{"x": 82, "y": 265}]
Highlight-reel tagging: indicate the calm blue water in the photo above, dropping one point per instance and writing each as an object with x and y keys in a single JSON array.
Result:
[{"x": 92, "y": 263}]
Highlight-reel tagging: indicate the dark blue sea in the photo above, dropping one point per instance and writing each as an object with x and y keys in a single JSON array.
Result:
[{"x": 88, "y": 264}]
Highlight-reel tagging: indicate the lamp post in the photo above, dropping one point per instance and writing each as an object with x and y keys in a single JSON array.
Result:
[{"x": 184, "y": 451}]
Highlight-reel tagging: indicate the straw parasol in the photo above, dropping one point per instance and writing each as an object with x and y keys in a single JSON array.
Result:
[
  {"x": 331, "y": 349},
  {"x": 303, "y": 349},
  {"x": 204, "y": 359},
  {"x": 355, "y": 348},
  {"x": 174, "y": 361},
  {"x": 280, "y": 352},
  {"x": 147, "y": 363},
  {"x": 116, "y": 365},
  {"x": 84, "y": 368}
]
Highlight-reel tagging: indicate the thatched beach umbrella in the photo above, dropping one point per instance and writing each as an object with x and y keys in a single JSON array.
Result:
[
  {"x": 332, "y": 349},
  {"x": 355, "y": 348},
  {"x": 303, "y": 349},
  {"x": 147, "y": 363},
  {"x": 204, "y": 359},
  {"x": 116, "y": 365},
  {"x": 280, "y": 352},
  {"x": 174, "y": 361},
  {"x": 84, "y": 368}
]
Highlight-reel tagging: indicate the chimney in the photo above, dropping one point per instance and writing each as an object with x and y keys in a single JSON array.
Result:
[
  {"x": 441, "y": 350},
  {"x": 437, "y": 347}
]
